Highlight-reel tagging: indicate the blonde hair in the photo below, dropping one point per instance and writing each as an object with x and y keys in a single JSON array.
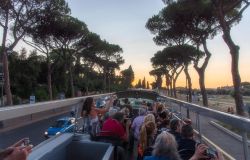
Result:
[
  {"x": 165, "y": 145},
  {"x": 147, "y": 130},
  {"x": 148, "y": 118}
]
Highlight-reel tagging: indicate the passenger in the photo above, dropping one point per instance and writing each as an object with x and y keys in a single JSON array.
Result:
[
  {"x": 186, "y": 146},
  {"x": 137, "y": 123},
  {"x": 150, "y": 106},
  {"x": 116, "y": 104},
  {"x": 175, "y": 129},
  {"x": 149, "y": 117},
  {"x": 18, "y": 151},
  {"x": 199, "y": 154},
  {"x": 165, "y": 148},
  {"x": 163, "y": 121},
  {"x": 136, "y": 126},
  {"x": 147, "y": 137},
  {"x": 159, "y": 108},
  {"x": 90, "y": 115},
  {"x": 126, "y": 101},
  {"x": 114, "y": 126}
]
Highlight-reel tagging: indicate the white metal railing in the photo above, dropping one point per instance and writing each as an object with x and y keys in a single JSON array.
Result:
[
  {"x": 241, "y": 123},
  {"x": 27, "y": 109}
]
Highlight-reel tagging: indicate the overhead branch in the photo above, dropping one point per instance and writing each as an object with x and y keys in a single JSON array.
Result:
[
  {"x": 232, "y": 6},
  {"x": 1, "y": 24},
  {"x": 239, "y": 14},
  {"x": 208, "y": 55},
  {"x": 34, "y": 45}
]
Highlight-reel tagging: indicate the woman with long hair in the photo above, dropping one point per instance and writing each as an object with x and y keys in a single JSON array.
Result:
[
  {"x": 90, "y": 115},
  {"x": 149, "y": 117},
  {"x": 146, "y": 139}
]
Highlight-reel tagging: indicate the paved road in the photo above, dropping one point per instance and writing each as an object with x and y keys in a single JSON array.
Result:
[
  {"x": 223, "y": 140},
  {"x": 34, "y": 131}
]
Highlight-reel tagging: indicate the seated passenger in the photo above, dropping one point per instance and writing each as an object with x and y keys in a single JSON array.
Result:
[
  {"x": 116, "y": 104},
  {"x": 114, "y": 126},
  {"x": 186, "y": 146},
  {"x": 147, "y": 137},
  {"x": 137, "y": 123},
  {"x": 165, "y": 148},
  {"x": 175, "y": 129},
  {"x": 163, "y": 121},
  {"x": 149, "y": 117},
  {"x": 200, "y": 154}
]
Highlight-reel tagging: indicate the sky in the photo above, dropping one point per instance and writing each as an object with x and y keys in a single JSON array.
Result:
[{"x": 123, "y": 22}]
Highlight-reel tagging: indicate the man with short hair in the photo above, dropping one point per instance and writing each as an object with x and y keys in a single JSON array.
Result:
[
  {"x": 186, "y": 145},
  {"x": 175, "y": 129}
]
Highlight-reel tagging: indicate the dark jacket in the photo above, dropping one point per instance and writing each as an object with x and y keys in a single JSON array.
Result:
[
  {"x": 176, "y": 135},
  {"x": 186, "y": 148}
]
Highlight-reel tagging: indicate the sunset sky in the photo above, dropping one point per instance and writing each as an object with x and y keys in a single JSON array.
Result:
[{"x": 123, "y": 22}]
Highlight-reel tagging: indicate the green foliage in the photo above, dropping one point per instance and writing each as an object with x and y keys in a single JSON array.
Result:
[
  {"x": 127, "y": 77},
  {"x": 144, "y": 83},
  {"x": 139, "y": 84},
  {"x": 41, "y": 93},
  {"x": 24, "y": 72}
]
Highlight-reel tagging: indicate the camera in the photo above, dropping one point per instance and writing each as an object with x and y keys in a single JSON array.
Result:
[
  {"x": 211, "y": 153},
  {"x": 26, "y": 142}
]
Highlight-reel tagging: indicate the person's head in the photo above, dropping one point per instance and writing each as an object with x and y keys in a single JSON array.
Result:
[
  {"x": 88, "y": 103},
  {"x": 142, "y": 111},
  {"x": 159, "y": 108},
  {"x": 116, "y": 102},
  {"x": 119, "y": 116},
  {"x": 163, "y": 115},
  {"x": 112, "y": 112},
  {"x": 165, "y": 145},
  {"x": 187, "y": 131},
  {"x": 126, "y": 101},
  {"x": 147, "y": 130},
  {"x": 175, "y": 125},
  {"x": 149, "y": 117}
]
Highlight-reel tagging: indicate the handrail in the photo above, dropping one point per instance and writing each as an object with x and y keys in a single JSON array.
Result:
[
  {"x": 207, "y": 141},
  {"x": 241, "y": 123},
  {"x": 27, "y": 109}
]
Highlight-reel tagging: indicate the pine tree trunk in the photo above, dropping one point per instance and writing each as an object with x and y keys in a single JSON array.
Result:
[
  {"x": 202, "y": 87},
  {"x": 234, "y": 51},
  {"x": 167, "y": 84},
  {"x": 7, "y": 79},
  {"x": 189, "y": 82},
  {"x": 71, "y": 81},
  {"x": 171, "y": 87},
  {"x": 174, "y": 88},
  {"x": 5, "y": 62},
  {"x": 49, "y": 80}
]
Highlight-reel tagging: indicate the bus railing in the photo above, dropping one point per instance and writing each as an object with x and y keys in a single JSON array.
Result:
[
  {"x": 11, "y": 112},
  {"x": 241, "y": 123}
]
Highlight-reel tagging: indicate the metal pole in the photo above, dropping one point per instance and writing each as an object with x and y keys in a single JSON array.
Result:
[
  {"x": 2, "y": 99},
  {"x": 188, "y": 114},
  {"x": 180, "y": 111},
  {"x": 245, "y": 145},
  {"x": 198, "y": 125}
]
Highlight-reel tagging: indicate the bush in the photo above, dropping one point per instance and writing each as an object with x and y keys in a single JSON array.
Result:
[{"x": 41, "y": 94}]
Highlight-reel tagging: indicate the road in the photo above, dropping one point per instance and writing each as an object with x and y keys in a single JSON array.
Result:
[
  {"x": 229, "y": 144},
  {"x": 34, "y": 131}
]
